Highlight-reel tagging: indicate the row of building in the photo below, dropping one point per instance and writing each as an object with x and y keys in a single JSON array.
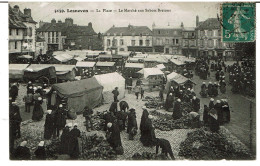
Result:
[
  {"x": 204, "y": 39},
  {"x": 25, "y": 38}
]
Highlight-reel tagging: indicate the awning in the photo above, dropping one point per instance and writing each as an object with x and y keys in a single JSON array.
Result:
[
  {"x": 150, "y": 71},
  {"x": 105, "y": 56},
  {"x": 105, "y": 64},
  {"x": 160, "y": 66},
  {"x": 177, "y": 62},
  {"x": 134, "y": 65},
  {"x": 178, "y": 78},
  {"x": 85, "y": 64},
  {"x": 25, "y": 57}
]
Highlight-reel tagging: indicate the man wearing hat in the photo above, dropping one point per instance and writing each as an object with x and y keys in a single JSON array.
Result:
[
  {"x": 40, "y": 152},
  {"x": 13, "y": 92},
  {"x": 28, "y": 100},
  {"x": 116, "y": 94},
  {"x": 22, "y": 152}
]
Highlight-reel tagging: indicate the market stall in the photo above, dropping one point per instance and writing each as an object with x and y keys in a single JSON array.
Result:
[
  {"x": 105, "y": 67},
  {"x": 85, "y": 65},
  {"x": 109, "y": 81},
  {"x": 152, "y": 77},
  {"x": 131, "y": 69},
  {"x": 16, "y": 71}
]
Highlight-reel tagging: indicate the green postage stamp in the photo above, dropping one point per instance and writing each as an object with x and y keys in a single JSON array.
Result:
[{"x": 238, "y": 22}]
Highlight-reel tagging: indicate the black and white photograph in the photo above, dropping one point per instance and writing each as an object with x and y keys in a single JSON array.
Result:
[{"x": 132, "y": 81}]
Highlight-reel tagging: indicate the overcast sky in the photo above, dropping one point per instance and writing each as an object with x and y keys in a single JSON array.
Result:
[{"x": 102, "y": 21}]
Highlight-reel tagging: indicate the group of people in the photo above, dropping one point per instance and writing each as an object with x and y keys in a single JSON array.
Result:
[
  {"x": 202, "y": 68},
  {"x": 216, "y": 114},
  {"x": 212, "y": 90}
]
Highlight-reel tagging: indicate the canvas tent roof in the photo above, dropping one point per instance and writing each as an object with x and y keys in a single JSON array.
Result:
[
  {"x": 178, "y": 78},
  {"x": 63, "y": 57},
  {"x": 37, "y": 67},
  {"x": 106, "y": 64},
  {"x": 76, "y": 88},
  {"x": 25, "y": 57},
  {"x": 177, "y": 62},
  {"x": 85, "y": 64},
  {"x": 105, "y": 56},
  {"x": 150, "y": 71},
  {"x": 17, "y": 70},
  {"x": 160, "y": 66},
  {"x": 134, "y": 65}
]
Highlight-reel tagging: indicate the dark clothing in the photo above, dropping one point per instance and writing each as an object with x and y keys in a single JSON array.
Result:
[
  {"x": 48, "y": 126},
  {"x": 169, "y": 102},
  {"x": 64, "y": 146},
  {"x": 161, "y": 94},
  {"x": 177, "y": 114},
  {"x": 206, "y": 115},
  {"x": 166, "y": 147},
  {"x": 116, "y": 93},
  {"x": 60, "y": 119},
  {"x": 87, "y": 114},
  {"x": 196, "y": 104},
  {"x": 109, "y": 117},
  {"x": 115, "y": 139},
  {"x": 142, "y": 93},
  {"x": 37, "y": 111},
  {"x": 149, "y": 138},
  {"x": 213, "y": 124},
  {"x": 226, "y": 113},
  {"x": 123, "y": 105},
  {"x": 142, "y": 124},
  {"x": 113, "y": 107},
  {"x": 121, "y": 117},
  {"x": 15, "y": 121},
  {"x": 132, "y": 123},
  {"x": 211, "y": 105},
  {"x": 22, "y": 153},
  {"x": 13, "y": 92},
  {"x": 74, "y": 134},
  {"x": 40, "y": 153},
  {"x": 218, "y": 108}
]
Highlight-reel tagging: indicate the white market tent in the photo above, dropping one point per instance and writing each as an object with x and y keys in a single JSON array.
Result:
[
  {"x": 177, "y": 62},
  {"x": 85, "y": 64},
  {"x": 134, "y": 65},
  {"x": 109, "y": 81},
  {"x": 160, "y": 66},
  {"x": 150, "y": 72},
  {"x": 16, "y": 71},
  {"x": 63, "y": 57}
]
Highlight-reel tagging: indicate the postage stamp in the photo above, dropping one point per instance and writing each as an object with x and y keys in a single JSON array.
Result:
[{"x": 238, "y": 22}]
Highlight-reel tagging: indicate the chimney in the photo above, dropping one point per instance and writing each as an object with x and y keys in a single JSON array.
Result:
[
  {"x": 16, "y": 8},
  {"x": 27, "y": 12},
  {"x": 53, "y": 21},
  {"x": 90, "y": 24},
  {"x": 197, "y": 20},
  {"x": 69, "y": 21}
]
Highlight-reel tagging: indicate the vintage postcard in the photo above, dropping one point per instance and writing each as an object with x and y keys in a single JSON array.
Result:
[{"x": 132, "y": 80}]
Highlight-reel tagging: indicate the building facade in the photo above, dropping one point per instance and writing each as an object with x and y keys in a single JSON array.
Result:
[
  {"x": 189, "y": 42},
  {"x": 66, "y": 35},
  {"x": 209, "y": 40},
  {"x": 167, "y": 39},
  {"x": 40, "y": 46},
  {"x": 131, "y": 38},
  {"x": 21, "y": 32}
]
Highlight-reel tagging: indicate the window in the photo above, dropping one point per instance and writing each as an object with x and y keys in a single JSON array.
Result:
[
  {"x": 57, "y": 40},
  {"x": 192, "y": 43},
  {"x": 115, "y": 42},
  {"x": 186, "y": 43},
  {"x": 10, "y": 32},
  {"x": 49, "y": 34},
  {"x": 140, "y": 42},
  {"x": 157, "y": 41},
  {"x": 140, "y": 34},
  {"x": 218, "y": 33},
  {"x": 147, "y": 42},
  {"x": 210, "y": 33},
  {"x": 30, "y": 31},
  {"x": 210, "y": 43},
  {"x": 167, "y": 41},
  {"x": 173, "y": 41},
  {"x": 57, "y": 34},
  {"x": 186, "y": 34},
  {"x": 15, "y": 45},
  {"x": 49, "y": 40},
  {"x": 177, "y": 41},
  {"x": 133, "y": 42},
  {"x": 202, "y": 33},
  {"x": 159, "y": 32},
  {"x": 201, "y": 43},
  {"x": 121, "y": 49},
  {"x": 108, "y": 42},
  {"x": 192, "y": 34},
  {"x": 121, "y": 42},
  {"x": 17, "y": 32}
]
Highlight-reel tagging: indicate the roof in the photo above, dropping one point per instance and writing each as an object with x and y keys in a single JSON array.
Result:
[
  {"x": 20, "y": 16},
  {"x": 77, "y": 88},
  {"x": 134, "y": 65},
  {"x": 17, "y": 70},
  {"x": 37, "y": 67},
  {"x": 25, "y": 57},
  {"x": 178, "y": 78},
  {"x": 210, "y": 23},
  {"x": 160, "y": 66},
  {"x": 109, "y": 78},
  {"x": 167, "y": 27},
  {"x": 105, "y": 56},
  {"x": 189, "y": 29},
  {"x": 85, "y": 64},
  {"x": 129, "y": 30},
  {"x": 63, "y": 57},
  {"x": 99, "y": 64},
  {"x": 150, "y": 71},
  {"x": 18, "y": 66},
  {"x": 14, "y": 20},
  {"x": 155, "y": 59},
  {"x": 177, "y": 62}
]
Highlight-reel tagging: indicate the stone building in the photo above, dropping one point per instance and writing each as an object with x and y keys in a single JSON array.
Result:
[{"x": 130, "y": 38}]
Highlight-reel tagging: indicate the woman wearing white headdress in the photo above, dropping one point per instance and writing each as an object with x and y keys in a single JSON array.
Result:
[{"x": 22, "y": 152}]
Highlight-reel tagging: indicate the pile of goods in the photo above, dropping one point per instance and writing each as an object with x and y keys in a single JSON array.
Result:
[
  {"x": 153, "y": 102},
  {"x": 52, "y": 150},
  {"x": 98, "y": 121},
  {"x": 186, "y": 107},
  {"x": 149, "y": 156},
  {"x": 204, "y": 145},
  {"x": 164, "y": 122},
  {"x": 96, "y": 148}
]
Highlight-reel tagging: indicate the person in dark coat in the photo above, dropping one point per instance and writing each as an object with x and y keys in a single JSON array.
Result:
[
  {"x": 195, "y": 104},
  {"x": 22, "y": 152},
  {"x": 60, "y": 120},
  {"x": 114, "y": 138},
  {"x": 226, "y": 111},
  {"x": 132, "y": 124},
  {"x": 121, "y": 118},
  {"x": 37, "y": 110},
  {"x": 169, "y": 102},
  {"x": 213, "y": 120},
  {"x": 177, "y": 114},
  {"x": 109, "y": 117},
  {"x": 88, "y": 117},
  {"x": 203, "y": 91},
  {"x": 113, "y": 108},
  {"x": 40, "y": 152},
  {"x": 15, "y": 121},
  {"x": 211, "y": 104},
  {"x": 149, "y": 138},
  {"x": 215, "y": 89},
  {"x": 142, "y": 124},
  {"x": 49, "y": 125},
  {"x": 74, "y": 134},
  {"x": 116, "y": 94},
  {"x": 206, "y": 114},
  {"x": 161, "y": 94},
  {"x": 142, "y": 92},
  {"x": 64, "y": 139},
  {"x": 123, "y": 106},
  {"x": 223, "y": 86},
  {"x": 14, "y": 92},
  {"x": 165, "y": 146},
  {"x": 218, "y": 108},
  {"x": 210, "y": 88}
]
